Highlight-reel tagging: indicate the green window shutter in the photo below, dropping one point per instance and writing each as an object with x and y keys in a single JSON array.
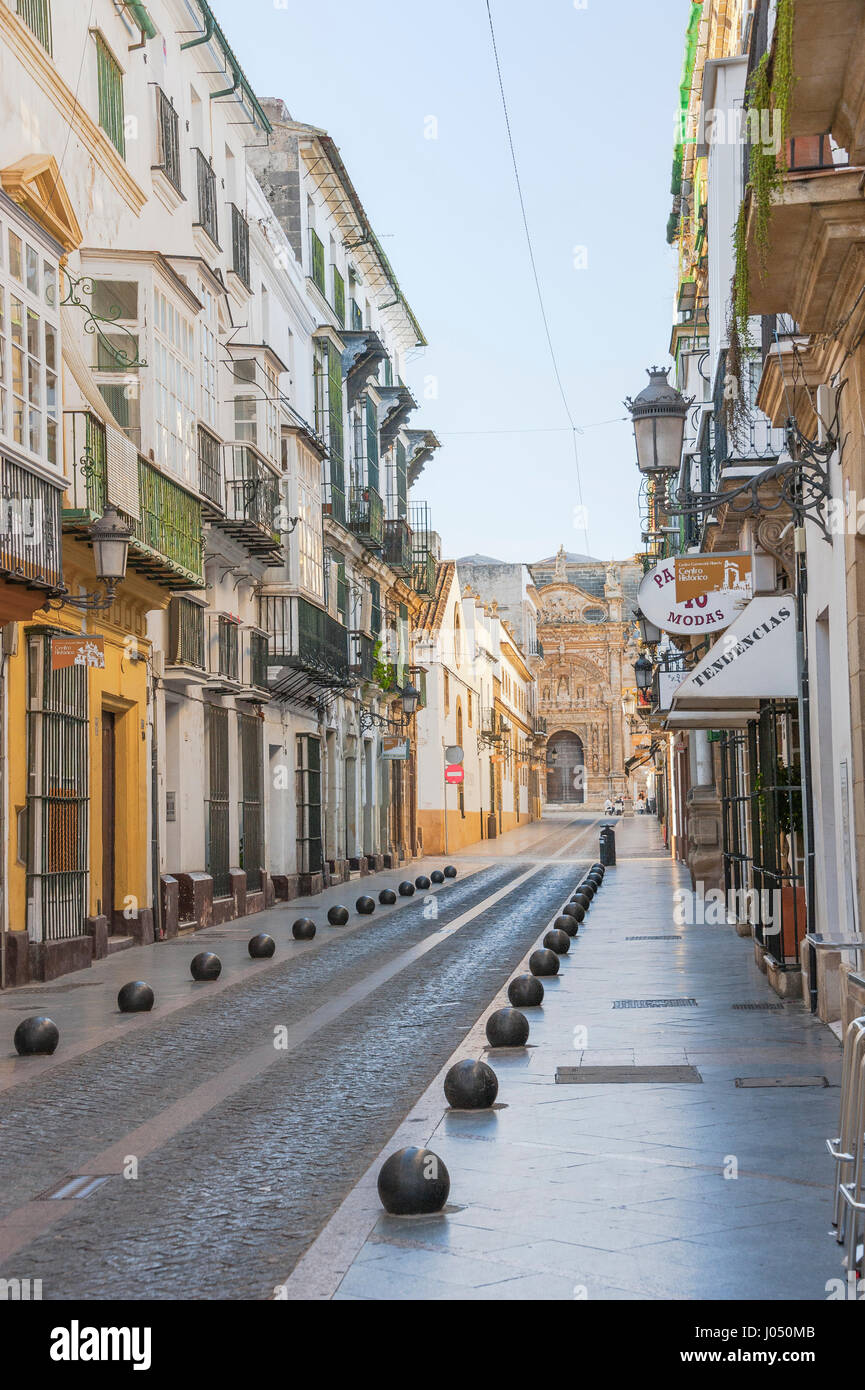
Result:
[
  {"x": 388, "y": 372},
  {"x": 401, "y": 485},
  {"x": 338, "y": 296},
  {"x": 37, "y": 16},
  {"x": 334, "y": 405},
  {"x": 317, "y": 260},
  {"x": 110, "y": 80},
  {"x": 402, "y": 644},
  {"x": 341, "y": 591},
  {"x": 375, "y": 594},
  {"x": 372, "y": 443}
]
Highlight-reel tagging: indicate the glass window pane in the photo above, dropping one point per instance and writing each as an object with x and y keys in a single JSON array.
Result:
[
  {"x": 32, "y": 262},
  {"x": 49, "y": 281},
  {"x": 115, "y": 299},
  {"x": 17, "y": 319},
  {"x": 15, "y": 256},
  {"x": 33, "y": 333}
]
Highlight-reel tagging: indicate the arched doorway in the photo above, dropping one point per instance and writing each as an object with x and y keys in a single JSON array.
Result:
[{"x": 565, "y": 768}]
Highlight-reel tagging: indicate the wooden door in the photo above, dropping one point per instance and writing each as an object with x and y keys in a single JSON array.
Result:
[{"x": 109, "y": 765}]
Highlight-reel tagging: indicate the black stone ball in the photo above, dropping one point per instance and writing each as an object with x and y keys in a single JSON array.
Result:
[
  {"x": 437, "y": 876},
  {"x": 566, "y": 924},
  {"x": 365, "y": 906},
  {"x": 544, "y": 962},
  {"x": 596, "y": 868},
  {"x": 450, "y": 871},
  {"x": 507, "y": 1028},
  {"x": 582, "y": 899},
  {"x": 575, "y": 910},
  {"x": 205, "y": 966},
  {"x": 406, "y": 889},
  {"x": 471, "y": 1086},
  {"x": 525, "y": 992},
  {"x": 36, "y": 1035},
  {"x": 588, "y": 890},
  {"x": 557, "y": 941},
  {"x": 387, "y": 896},
  {"x": 303, "y": 929},
  {"x": 337, "y": 916},
  {"x": 413, "y": 1182},
  {"x": 135, "y": 998},
  {"x": 262, "y": 946},
  {"x": 422, "y": 882},
  {"x": 596, "y": 878}
]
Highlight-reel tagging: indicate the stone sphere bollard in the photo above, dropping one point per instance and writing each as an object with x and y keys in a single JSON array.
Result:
[
  {"x": 135, "y": 998},
  {"x": 525, "y": 992},
  {"x": 413, "y": 1182},
  {"x": 303, "y": 929},
  {"x": 437, "y": 876},
  {"x": 365, "y": 906},
  {"x": 597, "y": 869},
  {"x": 422, "y": 882},
  {"x": 557, "y": 941},
  {"x": 575, "y": 910},
  {"x": 582, "y": 899},
  {"x": 471, "y": 1086},
  {"x": 450, "y": 871},
  {"x": 35, "y": 1036},
  {"x": 406, "y": 889},
  {"x": 337, "y": 916},
  {"x": 588, "y": 890},
  {"x": 205, "y": 966},
  {"x": 595, "y": 878},
  {"x": 566, "y": 923},
  {"x": 507, "y": 1028},
  {"x": 387, "y": 897},
  {"x": 262, "y": 946},
  {"x": 544, "y": 962}
]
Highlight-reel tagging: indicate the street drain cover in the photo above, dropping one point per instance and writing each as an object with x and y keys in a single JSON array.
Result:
[
  {"x": 761, "y": 1004},
  {"x": 655, "y": 1004},
  {"x": 79, "y": 1186},
  {"x": 623, "y": 1076},
  {"x": 676, "y": 937},
  {"x": 747, "y": 1082}
]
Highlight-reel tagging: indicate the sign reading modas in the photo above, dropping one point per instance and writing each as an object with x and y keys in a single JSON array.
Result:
[{"x": 697, "y": 593}]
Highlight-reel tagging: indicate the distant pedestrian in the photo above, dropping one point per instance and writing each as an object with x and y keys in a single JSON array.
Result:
[{"x": 608, "y": 807}]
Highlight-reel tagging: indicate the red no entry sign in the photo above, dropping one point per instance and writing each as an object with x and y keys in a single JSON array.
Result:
[{"x": 455, "y": 773}]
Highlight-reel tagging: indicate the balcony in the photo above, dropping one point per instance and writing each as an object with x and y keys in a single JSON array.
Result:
[
  {"x": 240, "y": 246},
  {"x": 361, "y": 357},
  {"x": 166, "y": 544},
  {"x": 362, "y": 656},
  {"x": 366, "y": 516},
  {"x": 490, "y": 724},
  {"x": 210, "y": 473},
  {"x": 397, "y": 404},
  {"x": 398, "y": 545},
  {"x": 828, "y": 43},
  {"x": 423, "y": 573},
  {"x": 30, "y": 539},
  {"x": 252, "y": 503},
  {"x": 539, "y": 726},
  {"x": 207, "y": 213},
  {"x": 308, "y": 650},
  {"x": 168, "y": 140},
  {"x": 187, "y": 640}
]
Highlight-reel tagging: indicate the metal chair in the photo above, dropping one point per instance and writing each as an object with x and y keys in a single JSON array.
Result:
[{"x": 848, "y": 1148}]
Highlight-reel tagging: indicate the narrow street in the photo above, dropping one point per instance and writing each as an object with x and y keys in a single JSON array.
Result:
[{"x": 246, "y": 1150}]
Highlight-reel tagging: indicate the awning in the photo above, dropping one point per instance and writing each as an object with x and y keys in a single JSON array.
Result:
[{"x": 754, "y": 660}]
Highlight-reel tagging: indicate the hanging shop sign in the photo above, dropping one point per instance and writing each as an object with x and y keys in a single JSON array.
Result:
[
  {"x": 77, "y": 651},
  {"x": 393, "y": 747},
  {"x": 697, "y": 593},
  {"x": 754, "y": 660}
]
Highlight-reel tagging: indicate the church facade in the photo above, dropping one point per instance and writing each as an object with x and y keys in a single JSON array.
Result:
[{"x": 586, "y": 629}]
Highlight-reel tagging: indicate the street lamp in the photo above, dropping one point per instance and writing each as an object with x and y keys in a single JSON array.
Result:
[
  {"x": 650, "y": 634},
  {"x": 410, "y": 697},
  {"x": 110, "y": 537},
  {"x": 644, "y": 671},
  {"x": 659, "y": 413}
]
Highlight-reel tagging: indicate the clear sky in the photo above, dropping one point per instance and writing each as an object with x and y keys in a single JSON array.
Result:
[{"x": 592, "y": 90}]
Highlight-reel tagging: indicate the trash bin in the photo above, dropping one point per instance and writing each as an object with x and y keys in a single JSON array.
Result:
[
  {"x": 607, "y": 840},
  {"x": 492, "y": 827}
]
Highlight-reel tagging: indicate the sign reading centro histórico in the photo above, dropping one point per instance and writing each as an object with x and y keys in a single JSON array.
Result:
[
  {"x": 86, "y": 650},
  {"x": 696, "y": 593}
]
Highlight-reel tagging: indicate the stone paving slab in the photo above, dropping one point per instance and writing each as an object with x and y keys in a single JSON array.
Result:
[{"x": 619, "y": 1192}]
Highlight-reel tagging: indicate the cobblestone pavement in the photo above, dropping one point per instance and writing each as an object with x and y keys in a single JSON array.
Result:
[
  {"x": 694, "y": 1189},
  {"x": 246, "y": 1150}
]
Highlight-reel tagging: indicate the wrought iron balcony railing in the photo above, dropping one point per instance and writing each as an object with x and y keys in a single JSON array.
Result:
[
  {"x": 30, "y": 529},
  {"x": 187, "y": 638},
  {"x": 240, "y": 245},
  {"x": 207, "y": 212},
  {"x": 366, "y": 516},
  {"x": 168, "y": 139},
  {"x": 210, "y": 470},
  {"x": 252, "y": 502},
  {"x": 362, "y": 656},
  {"x": 307, "y": 645},
  {"x": 398, "y": 545},
  {"x": 423, "y": 572}
]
